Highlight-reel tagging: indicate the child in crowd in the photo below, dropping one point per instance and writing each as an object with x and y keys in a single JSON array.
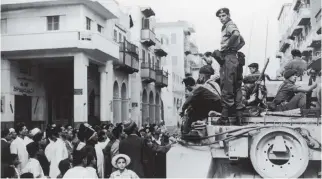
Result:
[
  {"x": 121, "y": 161},
  {"x": 63, "y": 166},
  {"x": 33, "y": 166}
]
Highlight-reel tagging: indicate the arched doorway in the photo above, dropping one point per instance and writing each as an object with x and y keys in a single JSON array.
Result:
[
  {"x": 116, "y": 103},
  {"x": 124, "y": 103},
  {"x": 145, "y": 106},
  {"x": 151, "y": 108},
  {"x": 157, "y": 108}
]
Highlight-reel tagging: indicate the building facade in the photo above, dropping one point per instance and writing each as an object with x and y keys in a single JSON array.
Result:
[
  {"x": 176, "y": 35},
  {"x": 62, "y": 63},
  {"x": 146, "y": 101},
  {"x": 300, "y": 28}
]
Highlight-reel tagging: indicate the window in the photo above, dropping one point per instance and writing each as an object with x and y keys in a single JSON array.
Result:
[
  {"x": 174, "y": 60},
  {"x": 153, "y": 61},
  {"x": 174, "y": 106},
  {"x": 99, "y": 28},
  {"x": 88, "y": 23},
  {"x": 149, "y": 59},
  {"x": 120, "y": 37},
  {"x": 143, "y": 55},
  {"x": 115, "y": 35},
  {"x": 3, "y": 26},
  {"x": 173, "y": 38},
  {"x": 145, "y": 23},
  {"x": 53, "y": 23}
]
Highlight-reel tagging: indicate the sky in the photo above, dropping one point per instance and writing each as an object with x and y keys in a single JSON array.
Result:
[{"x": 251, "y": 16}]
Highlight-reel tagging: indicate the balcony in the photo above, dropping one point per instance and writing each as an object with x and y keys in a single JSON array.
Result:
[
  {"x": 279, "y": 55},
  {"x": 284, "y": 44},
  {"x": 318, "y": 22},
  {"x": 161, "y": 78},
  {"x": 296, "y": 5},
  {"x": 148, "y": 12},
  {"x": 296, "y": 31},
  {"x": 316, "y": 41},
  {"x": 160, "y": 49},
  {"x": 147, "y": 72},
  {"x": 147, "y": 37},
  {"x": 94, "y": 44},
  {"x": 316, "y": 61},
  {"x": 129, "y": 58},
  {"x": 304, "y": 16}
]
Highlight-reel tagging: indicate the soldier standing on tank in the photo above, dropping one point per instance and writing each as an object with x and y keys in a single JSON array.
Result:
[{"x": 231, "y": 72}]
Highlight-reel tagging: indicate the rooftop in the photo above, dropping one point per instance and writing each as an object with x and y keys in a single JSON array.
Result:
[
  {"x": 93, "y": 5},
  {"x": 188, "y": 27}
]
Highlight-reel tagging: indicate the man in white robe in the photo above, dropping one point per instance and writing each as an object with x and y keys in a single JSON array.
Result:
[
  {"x": 59, "y": 153},
  {"x": 18, "y": 146}
]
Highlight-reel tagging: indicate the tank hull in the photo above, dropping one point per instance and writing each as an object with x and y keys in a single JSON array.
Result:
[{"x": 243, "y": 155}]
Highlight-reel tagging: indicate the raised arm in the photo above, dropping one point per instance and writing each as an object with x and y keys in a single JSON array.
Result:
[{"x": 306, "y": 89}]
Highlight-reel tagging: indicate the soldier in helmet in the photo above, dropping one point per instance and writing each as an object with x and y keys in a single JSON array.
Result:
[{"x": 231, "y": 72}]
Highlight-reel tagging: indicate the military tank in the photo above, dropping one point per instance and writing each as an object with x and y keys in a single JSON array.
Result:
[{"x": 277, "y": 145}]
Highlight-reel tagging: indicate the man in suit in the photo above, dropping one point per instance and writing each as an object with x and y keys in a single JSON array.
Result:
[
  {"x": 5, "y": 150},
  {"x": 133, "y": 147}
]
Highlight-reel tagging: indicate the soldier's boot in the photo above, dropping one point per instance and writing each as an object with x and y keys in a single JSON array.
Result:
[{"x": 239, "y": 118}]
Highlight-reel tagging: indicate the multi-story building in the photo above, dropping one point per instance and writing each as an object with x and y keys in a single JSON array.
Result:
[
  {"x": 61, "y": 62},
  {"x": 146, "y": 94},
  {"x": 175, "y": 34},
  {"x": 300, "y": 28}
]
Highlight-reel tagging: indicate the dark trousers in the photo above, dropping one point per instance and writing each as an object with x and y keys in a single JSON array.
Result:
[
  {"x": 231, "y": 78},
  {"x": 298, "y": 101}
]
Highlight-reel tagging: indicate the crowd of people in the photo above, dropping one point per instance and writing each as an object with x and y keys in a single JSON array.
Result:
[{"x": 101, "y": 151}]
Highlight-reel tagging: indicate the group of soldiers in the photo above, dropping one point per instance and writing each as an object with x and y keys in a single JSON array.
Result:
[{"x": 228, "y": 93}]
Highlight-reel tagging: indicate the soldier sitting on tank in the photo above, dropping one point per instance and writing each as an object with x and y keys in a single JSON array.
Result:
[
  {"x": 205, "y": 97},
  {"x": 250, "y": 82},
  {"x": 289, "y": 95}
]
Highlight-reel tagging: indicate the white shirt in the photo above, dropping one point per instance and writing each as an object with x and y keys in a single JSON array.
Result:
[
  {"x": 18, "y": 147},
  {"x": 27, "y": 140},
  {"x": 100, "y": 160},
  {"x": 77, "y": 172},
  {"x": 215, "y": 65},
  {"x": 92, "y": 172},
  {"x": 60, "y": 153},
  {"x": 126, "y": 174},
  {"x": 157, "y": 141},
  {"x": 33, "y": 166},
  {"x": 49, "y": 150}
]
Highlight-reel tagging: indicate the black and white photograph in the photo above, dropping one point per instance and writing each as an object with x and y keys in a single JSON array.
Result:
[{"x": 160, "y": 89}]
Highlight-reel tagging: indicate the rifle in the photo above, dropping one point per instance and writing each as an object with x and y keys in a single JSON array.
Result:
[{"x": 260, "y": 77}]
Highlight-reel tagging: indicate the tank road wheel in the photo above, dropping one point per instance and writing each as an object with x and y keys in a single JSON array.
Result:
[{"x": 279, "y": 152}]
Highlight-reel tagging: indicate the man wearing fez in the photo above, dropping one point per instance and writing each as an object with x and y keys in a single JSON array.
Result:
[
  {"x": 205, "y": 97},
  {"x": 231, "y": 70}
]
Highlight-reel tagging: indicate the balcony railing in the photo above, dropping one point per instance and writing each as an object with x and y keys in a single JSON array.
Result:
[
  {"x": 318, "y": 22},
  {"x": 148, "y": 37},
  {"x": 128, "y": 47},
  {"x": 148, "y": 72},
  {"x": 162, "y": 78},
  {"x": 129, "y": 58},
  {"x": 284, "y": 44},
  {"x": 159, "y": 49},
  {"x": 81, "y": 40}
]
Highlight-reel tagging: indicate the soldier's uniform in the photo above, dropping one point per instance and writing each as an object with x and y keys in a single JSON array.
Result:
[{"x": 231, "y": 73}]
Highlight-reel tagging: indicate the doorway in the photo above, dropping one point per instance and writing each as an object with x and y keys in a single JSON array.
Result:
[{"x": 22, "y": 110}]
